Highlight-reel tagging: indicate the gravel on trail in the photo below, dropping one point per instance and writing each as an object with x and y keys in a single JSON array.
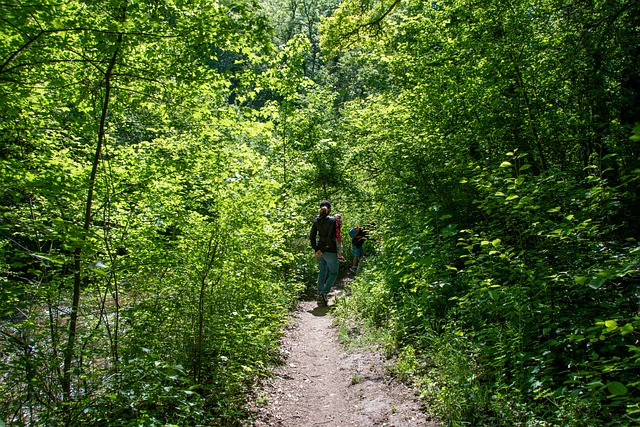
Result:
[{"x": 322, "y": 384}]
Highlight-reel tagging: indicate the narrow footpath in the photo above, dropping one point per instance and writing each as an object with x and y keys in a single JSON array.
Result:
[{"x": 322, "y": 384}]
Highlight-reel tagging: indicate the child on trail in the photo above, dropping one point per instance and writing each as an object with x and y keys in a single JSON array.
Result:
[
  {"x": 338, "y": 218},
  {"x": 358, "y": 237}
]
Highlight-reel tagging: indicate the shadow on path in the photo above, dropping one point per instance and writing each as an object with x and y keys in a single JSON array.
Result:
[
  {"x": 322, "y": 310},
  {"x": 345, "y": 276}
]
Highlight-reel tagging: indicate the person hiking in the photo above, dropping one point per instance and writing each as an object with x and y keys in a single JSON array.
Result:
[
  {"x": 358, "y": 236},
  {"x": 323, "y": 241},
  {"x": 338, "y": 218}
]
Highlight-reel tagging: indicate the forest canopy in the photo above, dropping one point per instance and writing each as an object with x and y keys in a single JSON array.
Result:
[{"x": 161, "y": 163}]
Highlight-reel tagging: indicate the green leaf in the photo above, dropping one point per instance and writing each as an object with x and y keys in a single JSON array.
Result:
[
  {"x": 524, "y": 167},
  {"x": 427, "y": 261},
  {"x": 626, "y": 329},
  {"x": 636, "y": 133},
  {"x": 596, "y": 282},
  {"x": 505, "y": 165},
  {"x": 616, "y": 388}
]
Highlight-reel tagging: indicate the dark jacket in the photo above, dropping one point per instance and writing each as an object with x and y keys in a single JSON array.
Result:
[{"x": 323, "y": 234}]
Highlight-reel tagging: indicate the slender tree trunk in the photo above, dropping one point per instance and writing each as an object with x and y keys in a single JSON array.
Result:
[
  {"x": 77, "y": 275},
  {"x": 284, "y": 151},
  {"x": 212, "y": 251}
]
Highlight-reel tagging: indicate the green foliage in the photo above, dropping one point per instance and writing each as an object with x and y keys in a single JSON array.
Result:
[
  {"x": 146, "y": 264},
  {"x": 161, "y": 162},
  {"x": 516, "y": 307},
  {"x": 508, "y": 268}
]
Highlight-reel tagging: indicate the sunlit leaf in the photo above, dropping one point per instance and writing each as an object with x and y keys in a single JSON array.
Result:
[
  {"x": 626, "y": 329},
  {"x": 636, "y": 133}
]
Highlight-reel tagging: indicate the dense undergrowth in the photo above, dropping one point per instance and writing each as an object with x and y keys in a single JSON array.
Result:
[{"x": 526, "y": 316}]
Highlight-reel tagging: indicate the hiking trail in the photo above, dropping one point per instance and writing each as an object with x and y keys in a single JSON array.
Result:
[{"x": 322, "y": 384}]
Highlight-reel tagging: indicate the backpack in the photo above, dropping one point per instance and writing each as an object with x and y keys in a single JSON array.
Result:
[
  {"x": 353, "y": 231},
  {"x": 326, "y": 233}
]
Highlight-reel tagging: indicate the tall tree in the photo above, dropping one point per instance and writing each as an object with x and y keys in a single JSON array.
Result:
[{"x": 94, "y": 98}]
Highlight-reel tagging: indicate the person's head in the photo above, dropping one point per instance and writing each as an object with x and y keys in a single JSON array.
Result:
[
  {"x": 325, "y": 208},
  {"x": 326, "y": 203}
]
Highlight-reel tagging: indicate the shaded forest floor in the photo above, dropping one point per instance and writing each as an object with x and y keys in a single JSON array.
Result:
[{"x": 320, "y": 383}]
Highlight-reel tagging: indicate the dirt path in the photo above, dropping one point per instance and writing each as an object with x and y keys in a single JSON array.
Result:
[{"x": 322, "y": 384}]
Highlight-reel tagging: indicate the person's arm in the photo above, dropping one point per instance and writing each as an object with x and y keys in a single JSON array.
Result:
[
  {"x": 359, "y": 238},
  {"x": 334, "y": 231},
  {"x": 312, "y": 237}
]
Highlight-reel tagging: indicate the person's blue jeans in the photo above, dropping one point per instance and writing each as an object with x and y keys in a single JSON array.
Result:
[{"x": 328, "y": 264}]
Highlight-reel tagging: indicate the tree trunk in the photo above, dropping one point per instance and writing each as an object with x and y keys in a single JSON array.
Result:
[{"x": 77, "y": 257}]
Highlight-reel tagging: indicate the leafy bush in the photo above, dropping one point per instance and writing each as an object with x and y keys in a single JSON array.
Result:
[{"x": 527, "y": 316}]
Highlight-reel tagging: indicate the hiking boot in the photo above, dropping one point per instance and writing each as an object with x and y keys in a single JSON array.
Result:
[{"x": 323, "y": 300}]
